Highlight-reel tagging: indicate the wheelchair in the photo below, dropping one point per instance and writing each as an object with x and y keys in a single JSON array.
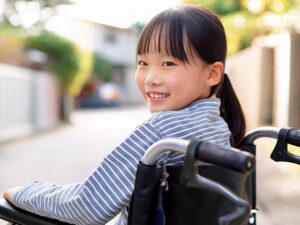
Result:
[{"x": 214, "y": 185}]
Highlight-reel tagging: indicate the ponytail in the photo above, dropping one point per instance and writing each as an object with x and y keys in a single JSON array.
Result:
[{"x": 231, "y": 110}]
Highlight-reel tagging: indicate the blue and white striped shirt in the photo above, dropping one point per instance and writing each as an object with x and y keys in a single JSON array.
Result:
[{"x": 107, "y": 191}]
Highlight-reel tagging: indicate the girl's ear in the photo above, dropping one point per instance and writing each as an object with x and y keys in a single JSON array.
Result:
[{"x": 215, "y": 73}]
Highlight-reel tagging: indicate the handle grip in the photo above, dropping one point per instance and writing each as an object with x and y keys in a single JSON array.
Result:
[
  {"x": 225, "y": 156},
  {"x": 293, "y": 137},
  {"x": 280, "y": 152}
]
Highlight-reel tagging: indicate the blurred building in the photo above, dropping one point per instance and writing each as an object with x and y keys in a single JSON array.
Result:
[
  {"x": 29, "y": 99},
  {"x": 118, "y": 45}
]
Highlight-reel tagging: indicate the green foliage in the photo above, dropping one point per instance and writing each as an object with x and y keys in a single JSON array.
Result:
[
  {"x": 244, "y": 20},
  {"x": 221, "y": 7},
  {"x": 102, "y": 68},
  {"x": 62, "y": 53}
]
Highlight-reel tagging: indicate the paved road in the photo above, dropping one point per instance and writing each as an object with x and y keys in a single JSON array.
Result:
[{"x": 70, "y": 153}]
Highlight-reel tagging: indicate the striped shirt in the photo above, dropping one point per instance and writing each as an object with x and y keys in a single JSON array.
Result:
[{"x": 107, "y": 191}]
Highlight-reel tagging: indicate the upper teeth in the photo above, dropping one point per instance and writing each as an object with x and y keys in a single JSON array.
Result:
[{"x": 157, "y": 95}]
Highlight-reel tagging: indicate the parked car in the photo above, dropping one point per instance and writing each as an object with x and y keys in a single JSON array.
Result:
[{"x": 106, "y": 95}]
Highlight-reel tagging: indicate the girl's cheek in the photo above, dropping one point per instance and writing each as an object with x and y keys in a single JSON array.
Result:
[{"x": 175, "y": 83}]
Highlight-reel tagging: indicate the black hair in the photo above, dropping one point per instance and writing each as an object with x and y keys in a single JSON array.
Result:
[{"x": 188, "y": 30}]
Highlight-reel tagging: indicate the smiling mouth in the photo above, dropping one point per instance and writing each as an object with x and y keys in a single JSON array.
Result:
[{"x": 157, "y": 96}]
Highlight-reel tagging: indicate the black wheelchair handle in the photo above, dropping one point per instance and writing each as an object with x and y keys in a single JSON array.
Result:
[
  {"x": 208, "y": 152},
  {"x": 280, "y": 152},
  {"x": 293, "y": 137},
  {"x": 225, "y": 156}
]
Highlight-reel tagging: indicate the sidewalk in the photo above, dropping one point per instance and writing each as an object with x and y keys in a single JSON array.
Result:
[{"x": 278, "y": 188}]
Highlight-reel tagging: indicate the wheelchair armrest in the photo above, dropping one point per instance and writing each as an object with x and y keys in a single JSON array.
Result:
[{"x": 10, "y": 213}]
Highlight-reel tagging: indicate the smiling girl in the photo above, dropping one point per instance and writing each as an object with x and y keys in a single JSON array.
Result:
[{"x": 180, "y": 75}]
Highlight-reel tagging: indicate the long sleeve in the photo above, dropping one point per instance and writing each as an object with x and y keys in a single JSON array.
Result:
[{"x": 102, "y": 195}]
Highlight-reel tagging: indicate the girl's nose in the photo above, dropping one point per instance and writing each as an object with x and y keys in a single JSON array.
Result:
[{"x": 153, "y": 78}]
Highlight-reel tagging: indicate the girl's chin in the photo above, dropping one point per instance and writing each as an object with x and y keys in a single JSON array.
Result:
[{"x": 158, "y": 108}]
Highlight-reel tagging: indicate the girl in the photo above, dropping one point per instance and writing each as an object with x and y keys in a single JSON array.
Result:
[{"x": 180, "y": 74}]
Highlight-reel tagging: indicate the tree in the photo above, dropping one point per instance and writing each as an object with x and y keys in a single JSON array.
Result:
[
  {"x": 28, "y": 13},
  {"x": 62, "y": 54},
  {"x": 63, "y": 62}
]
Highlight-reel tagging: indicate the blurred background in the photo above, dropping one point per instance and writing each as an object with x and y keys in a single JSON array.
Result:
[{"x": 68, "y": 96}]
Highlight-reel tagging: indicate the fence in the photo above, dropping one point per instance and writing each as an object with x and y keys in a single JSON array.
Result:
[{"x": 28, "y": 101}]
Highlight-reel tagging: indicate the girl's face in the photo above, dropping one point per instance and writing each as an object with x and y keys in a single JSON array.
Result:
[{"x": 166, "y": 83}]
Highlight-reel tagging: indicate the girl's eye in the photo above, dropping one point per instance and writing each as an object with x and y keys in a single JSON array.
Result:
[
  {"x": 142, "y": 63},
  {"x": 168, "y": 64}
]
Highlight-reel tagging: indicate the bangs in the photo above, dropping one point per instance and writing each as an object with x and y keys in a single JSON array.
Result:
[{"x": 165, "y": 34}]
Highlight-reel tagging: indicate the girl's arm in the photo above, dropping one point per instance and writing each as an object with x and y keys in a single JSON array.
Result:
[{"x": 101, "y": 196}]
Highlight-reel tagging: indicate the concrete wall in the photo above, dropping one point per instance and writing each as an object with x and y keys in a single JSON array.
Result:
[
  {"x": 282, "y": 79},
  {"x": 243, "y": 70},
  {"x": 266, "y": 102},
  {"x": 266, "y": 78},
  {"x": 294, "y": 93},
  {"x": 29, "y": 101},
  {"x": 287, "y": 81}
]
